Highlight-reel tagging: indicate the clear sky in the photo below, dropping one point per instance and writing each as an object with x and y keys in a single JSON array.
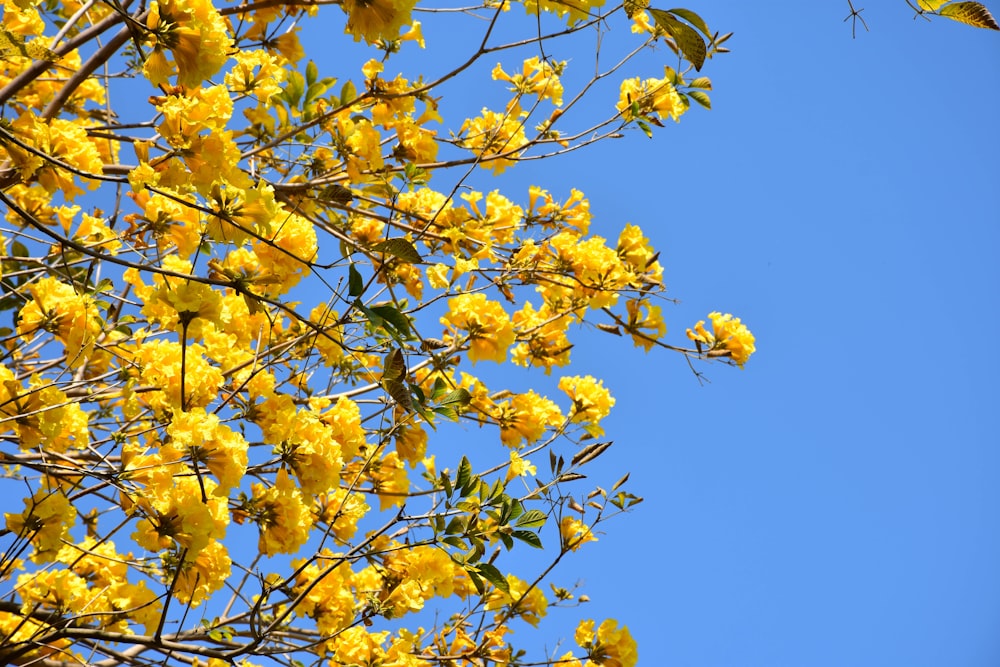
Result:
[{"x": 837, "y": 502}]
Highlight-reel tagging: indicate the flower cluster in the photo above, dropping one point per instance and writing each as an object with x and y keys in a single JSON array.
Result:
[
  {"x": 729, "y": 338},
  {"x": 638, "y": 97}
]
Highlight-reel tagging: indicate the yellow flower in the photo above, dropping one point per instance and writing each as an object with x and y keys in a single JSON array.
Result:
[
  {"x": 372, "y": 20},
  {"x": 62, "y": 139},
  {"x": 159, "y": 363},
  {"x": 365, "y": 144},
  {"x": 289, "y": 46},
  {"x": 490, "y": 331},
  {"x": 519, "y": 467},
  {"x": 390, "y": 481},
  {"x": 95, "y": 233},
  {"x": 344, "y": 420},
  {"x": 575, "y": 533},
  {"x": 574, "y": 212},
  {"x": 177, "y": 514},
  {"x": 329, "y": 344},
  {"x": 424, "y": 572},
  {"x": 598, "y": 271},
  {"x": 591, "y": 402},
  {"x": 542, "y": 336},
  {"x": 203, "y": 575},
  {"x": 411, "y": 443},
  {"x": 531, "y": 604},
  {"x": 45, "y": 521},
  {"x": 609, "y": 646},
  {"x": 645, "y": 323},
  {"x": 657, "y": 96},
  {"x": 416, "y": 141},
  {"x": 537, "y": 77},
  {"x": 43, "y": 415},
  {"x": 54, "y": 590},
  {"x": 58, "y": 309},
  {"x": 437, "y": 276},
  {"x": 497, "y": 138},
  {"x": 357, "y": 646},
  {"x": 201, "y": 436},
  {"x": 729, "y": 338},
  {"x": 639, "y": 257},
  {"x": 574, "y": 10},
  {"x": 174, "y": 302},
  {"x": 194, "y": 33},
  {"x": 283, "y": 516},
  {"x": 414, "y": 34},
  {"x": 328, "y": 597},
  {"x": 187, "y": 114},
  {"x": 264, "y": 84},
  {"x": 342, "y": 510},
  {"x": 525, "y": 418}
]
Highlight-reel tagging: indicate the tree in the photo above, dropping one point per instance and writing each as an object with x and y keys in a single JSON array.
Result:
[{"x": 246, "y": 301}]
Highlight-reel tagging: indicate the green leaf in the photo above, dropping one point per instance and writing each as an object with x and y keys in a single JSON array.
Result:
[
  {"x": 446, "y": 412},
  {"x": 393, "y": 317},
  {"x": 644, "y": 126},
  {"x": 348, "y": 93},
  {"x": 693, "y": 19},
  {"x": 393, "y": 365},
  {"x": 478, "y": 549},
  {"x": 690, "y": 43},
  {"x": 476, "y": 581},
  {"x": 701, "y": 98},
  {"x": 531, "y": 519},
  {"x": 528, "y": 537},
  {"x": 459, "y": 396},
  {"x": 294, "y": 88},
  {"x": 440, "y": 386},
  {"x": 417, "y": 392},
  {"x": 970, "y": 13},
  {"x": 456, "y": 526},
  {"x": 464, "y": 475},
  {"x": 419, "y": 407},
  {"x": 446, "y": 485},
  {"x": 494, "y": 576},
  {"x": 398, "y": 391},
  {"x": 382, "y": 315},
  {"x": 702, "y": 82},
  {"x": 312, "y": 73},
  {"x": 355, "y": 283},
  {"x": 336, "y": 194},
  {"x": 399, "y": 247},
  {"x": 496, "y": 490},
  {"x": 455, "y": 541}
]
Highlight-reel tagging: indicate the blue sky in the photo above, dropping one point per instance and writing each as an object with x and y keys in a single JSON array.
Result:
[{"x": 836, "y": 502}]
